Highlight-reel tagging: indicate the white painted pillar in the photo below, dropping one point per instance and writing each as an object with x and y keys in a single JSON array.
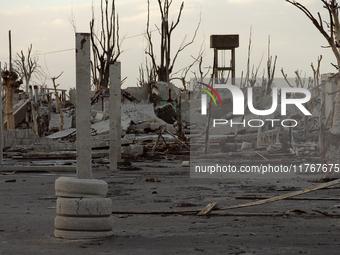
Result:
[
  {"x": 1, "y": 122},
  {"x": 83, "y": 109},
  {"x": 115, "y": 115}
]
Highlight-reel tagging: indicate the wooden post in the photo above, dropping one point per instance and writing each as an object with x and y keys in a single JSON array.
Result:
[
  {"x": 233, "y": 66},
  {"x": 10, "y": 51},
  {"x": 49, "y": 99},
  {"x": 83, "y": 110},
  {"x": 37, "y": 101},
  {"x": 33, "y": 109},
  {"x": 115, "y": 116},
  {"x": 305, "y": 127},
  {"x": 215, "y": 66},
  {"x": 1, "y": 122}
]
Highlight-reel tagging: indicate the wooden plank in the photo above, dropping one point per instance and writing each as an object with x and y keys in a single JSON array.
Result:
[
  {"x": 208, "y": 209},
  {"x": 285, "y": 196},
  {"x": 11, "y": 168},
  {"x": 292, "y": 198}
]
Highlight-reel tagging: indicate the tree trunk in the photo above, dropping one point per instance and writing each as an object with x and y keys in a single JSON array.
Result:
[
  {"x": 34, "y": 113},
  {"x": 305, "y": 127},
  {"x": 9, "y": 105},
  {"x": 332, "y": 142}
]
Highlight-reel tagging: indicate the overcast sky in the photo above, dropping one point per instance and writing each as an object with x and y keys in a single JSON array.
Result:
[{"x": 46, "y": 25}]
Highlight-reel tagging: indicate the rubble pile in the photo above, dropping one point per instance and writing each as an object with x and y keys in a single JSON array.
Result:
[{"x": 154, "y": 121}]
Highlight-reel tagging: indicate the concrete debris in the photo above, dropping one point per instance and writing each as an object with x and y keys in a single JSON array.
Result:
[
  {"x": 159, "y": 91},
  {"x": 245, "y": 146},
  {"x": 19, "y": 111},
  {"x": 143, "y": 123},
  {"x": 138, "y": 113},
  {"x": 99, "y": 116},
  {"x": 102, "y": 127},
  {"x": 54, "y": 123},
  {"x": 133, "y": 149},
  {"x": 18, "y": 137},
  {"x": 128, "y": 139},
  {"x": 185, "y": 163},
  {"x": 167, "y": 113},
  {"x": 62, "y": 134}
]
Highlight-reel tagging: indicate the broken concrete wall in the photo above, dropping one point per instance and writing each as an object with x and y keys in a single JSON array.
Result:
[
  {"x": 138, "y": 113},
  {"x": 135, "y": 117},
  {"x": 140, "y": 93},
  {"x": 19, "y": 112},
  {"x": 162, "y": 88},
  {"x": 19, "y": 137}
]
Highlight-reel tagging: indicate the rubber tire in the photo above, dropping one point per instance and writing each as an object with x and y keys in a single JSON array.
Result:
[
  {"x": 83, "y": 223},
  {"x": 96, "y": 206},
  {"x": 66, "y": 234},
  {"x": 74, "y": 187}
]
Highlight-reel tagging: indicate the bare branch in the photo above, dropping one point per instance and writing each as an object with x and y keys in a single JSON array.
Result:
[{"x": 182, "y": 47}]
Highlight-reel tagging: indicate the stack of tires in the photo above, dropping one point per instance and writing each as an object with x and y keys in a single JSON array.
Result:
[{"x": 83, "y": 211}]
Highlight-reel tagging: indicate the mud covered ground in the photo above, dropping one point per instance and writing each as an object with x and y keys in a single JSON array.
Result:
[{"x": 27, "y": 211}]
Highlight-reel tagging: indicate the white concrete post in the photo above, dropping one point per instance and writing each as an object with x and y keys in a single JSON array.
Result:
[
  {"x": 115, "y": 116},
  {"x": 1, "y": 122},
  {"x": 83, "y": 110}
]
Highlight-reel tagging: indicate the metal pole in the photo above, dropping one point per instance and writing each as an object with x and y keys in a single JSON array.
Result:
[
  {"x": 233, "y": 64},
  {"x": 83, "y": 110}
]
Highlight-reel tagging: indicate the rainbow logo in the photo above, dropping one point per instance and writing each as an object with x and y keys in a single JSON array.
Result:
[{"x": 208, "y": 92}]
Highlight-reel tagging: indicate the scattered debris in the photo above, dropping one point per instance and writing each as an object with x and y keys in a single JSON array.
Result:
[
  {"x": 152, "y": 180},
  {"x": 185, "y": 163},
  {"x": 11, "y": 180},
  {"x": 208, "y": 209}
]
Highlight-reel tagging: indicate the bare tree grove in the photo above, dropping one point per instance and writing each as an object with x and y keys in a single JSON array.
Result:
[
  {"x": 163, "y": 66},
  {"x": 331, "y": 32},
  {"x": 105, "y": 44},
  {"x": 26, "y": 66}
]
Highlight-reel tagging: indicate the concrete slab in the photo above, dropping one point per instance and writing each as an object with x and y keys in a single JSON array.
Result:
[
  {"x": 102, "y": 127},
  {"x": 19, "y": 111},
  {"x": 62, "y": 134},
  {"x": 138, "y": 113}
]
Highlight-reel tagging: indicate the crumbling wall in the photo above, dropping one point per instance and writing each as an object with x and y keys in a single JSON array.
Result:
[
  {"x": 19, "y": 137},
  {"x": 140, "y": 93}
]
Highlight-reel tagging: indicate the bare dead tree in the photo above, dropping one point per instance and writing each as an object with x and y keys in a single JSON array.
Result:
[
  {"x": 105, "y": 44},
  {"x": 11, "y": 81},
  {"x": 72, "y": 19},
  {"x": 332, "y": 35},
  {"x": 146, "y": 74},
  {"x": 184, "y": 71},
  {"x": 58, "y": 101},
  {"x": 270, "y": 70},
  {"x": 166, "y": 65},
  {"x": 26, "y": 66}
]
